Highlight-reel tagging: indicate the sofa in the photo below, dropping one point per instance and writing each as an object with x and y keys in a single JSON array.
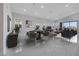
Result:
[{"x": 67, "y": 33}]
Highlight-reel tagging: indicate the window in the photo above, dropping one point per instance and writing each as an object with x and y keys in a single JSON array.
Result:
[
  {"x": 66, "y": 24},
  {"x": 71, "y": 24}
]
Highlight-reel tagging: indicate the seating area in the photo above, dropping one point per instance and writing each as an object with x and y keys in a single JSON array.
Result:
[
  {"x": 68, "y": 33},
  {"x": 38, "y": 34}
]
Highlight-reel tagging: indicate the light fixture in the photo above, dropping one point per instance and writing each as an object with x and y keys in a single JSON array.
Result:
[
  {"x": 25, "y": 10},
  {"x": 42, "y": 6},
  {"x": 57, "y": 18},
  {"x": 73, "y": 12},
  {"x": 67, "y": 5},
  {"x": 36, "y": 13}
]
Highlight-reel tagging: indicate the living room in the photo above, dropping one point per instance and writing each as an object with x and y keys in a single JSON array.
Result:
[{"x": 40, "y": 29}]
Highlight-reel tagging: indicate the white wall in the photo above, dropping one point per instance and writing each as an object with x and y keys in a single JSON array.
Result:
[{"x": 6, "y": 12}]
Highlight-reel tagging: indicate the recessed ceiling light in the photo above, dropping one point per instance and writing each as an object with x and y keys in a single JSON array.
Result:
[
  {"x": 42, "y": 6},
  {"x": 25, "y": 10},
  {"x": 36, "y": 13},
  {"x": 67, "y": 5},
  {"x": 73, "y": 12},
  {"x": 57, "y": 18}
]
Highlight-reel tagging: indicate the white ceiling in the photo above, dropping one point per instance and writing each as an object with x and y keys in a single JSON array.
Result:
[{"x": 51, "y": 11}]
